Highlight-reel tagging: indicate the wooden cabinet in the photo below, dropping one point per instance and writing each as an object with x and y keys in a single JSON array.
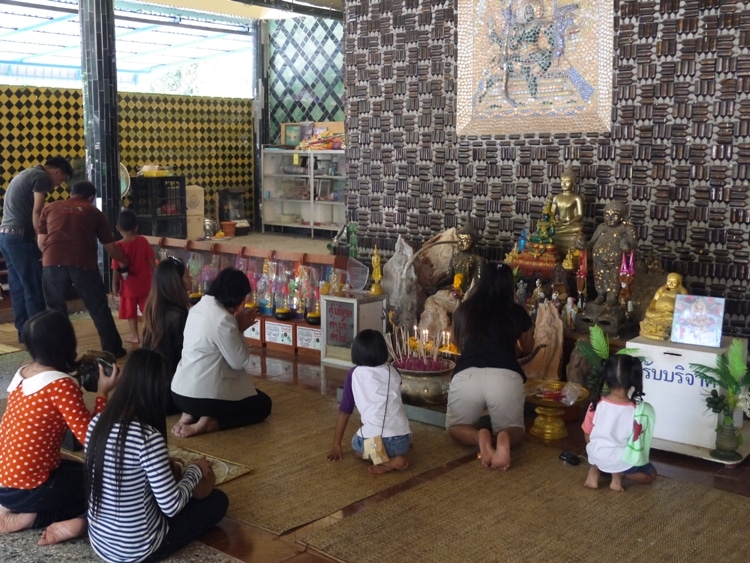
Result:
[{"x": 303, "y": 189}]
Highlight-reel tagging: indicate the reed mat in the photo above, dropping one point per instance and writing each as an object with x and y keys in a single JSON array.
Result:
[
  {"x": 5, "y": 349},
  {"x": 224, "y": 470},
  {"x": 540, "y": 511},
  {"x": 293, "y": 483}
]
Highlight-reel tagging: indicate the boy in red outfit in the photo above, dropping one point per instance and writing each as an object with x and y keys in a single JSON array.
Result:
[{"x": 133, "y": 284}]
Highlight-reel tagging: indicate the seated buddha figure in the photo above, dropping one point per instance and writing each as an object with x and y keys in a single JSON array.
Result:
[
  {"x": 657, "y": 322},
  {"x": 567, "y": 214}
]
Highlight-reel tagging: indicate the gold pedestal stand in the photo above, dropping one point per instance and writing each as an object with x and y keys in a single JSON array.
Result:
[{"x": 546, "y": 395}]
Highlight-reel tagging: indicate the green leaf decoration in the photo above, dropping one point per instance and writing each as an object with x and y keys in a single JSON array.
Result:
[
  {"x": 599, "y": 342},
  {"x": 736, "y": 362}
]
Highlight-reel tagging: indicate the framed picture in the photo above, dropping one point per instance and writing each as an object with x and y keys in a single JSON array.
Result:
[
  {"x": 530, "y": 65},
  {"x": 291, "y": 134},
  {"x": 306, "y": 129},
  {"x": 698, "y": 320},
  {"x": 324, "y": 189}
]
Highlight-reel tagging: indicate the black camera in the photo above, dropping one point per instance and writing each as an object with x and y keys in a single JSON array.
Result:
[{"x": 87, "y": 368}]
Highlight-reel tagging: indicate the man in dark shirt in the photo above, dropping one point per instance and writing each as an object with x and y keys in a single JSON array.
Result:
[
  {"x": 22, "y": 207},
  {"x": 68, "y": 235}
]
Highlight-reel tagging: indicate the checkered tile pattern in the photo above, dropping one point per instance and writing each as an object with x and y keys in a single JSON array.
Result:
[
  {"x": 305, "y": 72},
  {"x": 208, "y": 140}
]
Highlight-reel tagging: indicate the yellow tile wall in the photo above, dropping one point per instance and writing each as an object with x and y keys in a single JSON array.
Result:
[{"x": 208, "y": 140}]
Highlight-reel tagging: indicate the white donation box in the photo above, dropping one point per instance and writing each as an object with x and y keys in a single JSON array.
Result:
[
  {"x": 343, "y": 316},
  {"x": 677, "y": 394}
]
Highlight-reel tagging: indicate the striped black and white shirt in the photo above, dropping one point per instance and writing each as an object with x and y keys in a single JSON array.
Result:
[{"x": 132, "y": 519}]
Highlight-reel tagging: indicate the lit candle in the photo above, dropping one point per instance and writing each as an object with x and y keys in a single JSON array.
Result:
[
  {"x": 416, "y": 335},
  {"x": 425, "y": 335}
]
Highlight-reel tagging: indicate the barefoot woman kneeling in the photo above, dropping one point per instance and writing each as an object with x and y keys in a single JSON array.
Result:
[
  {"x": 211, "y": 385},
  {"x": 486, "y": 328}
]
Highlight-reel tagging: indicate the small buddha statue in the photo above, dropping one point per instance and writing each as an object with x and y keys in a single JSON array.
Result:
[
  {"x": 568, "y": 263},
  {"x": 512, "y": 256},
  {"x": 545, "y": 228},
  {"x": 333, "y": 281},
  {"x": 657, "y": 321},
  {"x": 567, "y": 214},
  {"x": 377, "y": 275}
]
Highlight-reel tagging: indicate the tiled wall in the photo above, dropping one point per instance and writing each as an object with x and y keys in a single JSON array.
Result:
[
  {"x": 207, "y": 140},
  {"x": 678, "y": 151},
  {"x": 305, "y": 72}
]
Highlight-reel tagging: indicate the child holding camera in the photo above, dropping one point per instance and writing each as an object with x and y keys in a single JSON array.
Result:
[
  {"x": 132, "y": 284},
  {"x": 37, "y": 488},
  {"x": 374, "y": 388}
]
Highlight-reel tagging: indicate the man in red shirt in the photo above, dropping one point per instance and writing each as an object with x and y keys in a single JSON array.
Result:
[{"x": 67, "y": 236}]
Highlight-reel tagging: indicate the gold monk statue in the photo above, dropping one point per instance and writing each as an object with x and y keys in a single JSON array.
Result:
[
  {"x": 567, "y": 214},
  {"x": 657, "y": 322},
  {"x": 465, "y": 263}
]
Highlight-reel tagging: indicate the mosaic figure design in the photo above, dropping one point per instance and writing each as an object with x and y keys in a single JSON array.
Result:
[{"x": 539, "y": 62}]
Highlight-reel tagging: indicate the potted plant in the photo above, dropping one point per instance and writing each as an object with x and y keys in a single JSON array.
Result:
[{"x": 731, "y": 375}]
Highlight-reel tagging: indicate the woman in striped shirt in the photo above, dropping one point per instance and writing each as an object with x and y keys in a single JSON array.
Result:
[{"x": 138, "y": 511}]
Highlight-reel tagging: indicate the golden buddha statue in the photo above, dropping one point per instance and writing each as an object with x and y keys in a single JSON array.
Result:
[
  {"x": 567, "y": 214},
  {"x": 657, "y": 322}
]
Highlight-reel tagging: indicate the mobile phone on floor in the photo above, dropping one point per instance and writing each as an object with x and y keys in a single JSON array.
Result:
[{"x": 570, "y": 458}]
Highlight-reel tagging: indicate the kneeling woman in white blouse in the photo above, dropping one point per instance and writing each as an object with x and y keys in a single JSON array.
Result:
[{"x": 211, "y": 385}]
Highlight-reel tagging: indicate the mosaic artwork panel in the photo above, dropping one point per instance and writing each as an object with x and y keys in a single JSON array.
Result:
[{"x": 534, "y": 65}]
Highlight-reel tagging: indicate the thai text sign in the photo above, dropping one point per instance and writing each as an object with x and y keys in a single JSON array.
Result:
[{"x": 339, "y": 323}]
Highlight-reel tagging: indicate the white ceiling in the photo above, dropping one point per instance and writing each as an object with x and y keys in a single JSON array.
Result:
[
  {"x": 43, "y": 36},
  {"x": 258, "y": 9}
]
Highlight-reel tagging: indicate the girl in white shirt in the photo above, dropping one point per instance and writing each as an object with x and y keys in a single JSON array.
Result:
[
  {"x": 611, "y": 423},
  {"x": 374, "y": 387}
]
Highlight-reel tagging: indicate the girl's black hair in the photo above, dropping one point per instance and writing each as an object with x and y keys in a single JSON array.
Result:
[
  {"x": 167, "y": 290},
  {"x": 230, "y": 287},
  {"x": 142, "y": 396},
  {"x": 369, "y": 349},
  {"x": 490, "y": 300},
  {"x": 619, "y": 372},
  {"x": 51, "y": 340}
]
